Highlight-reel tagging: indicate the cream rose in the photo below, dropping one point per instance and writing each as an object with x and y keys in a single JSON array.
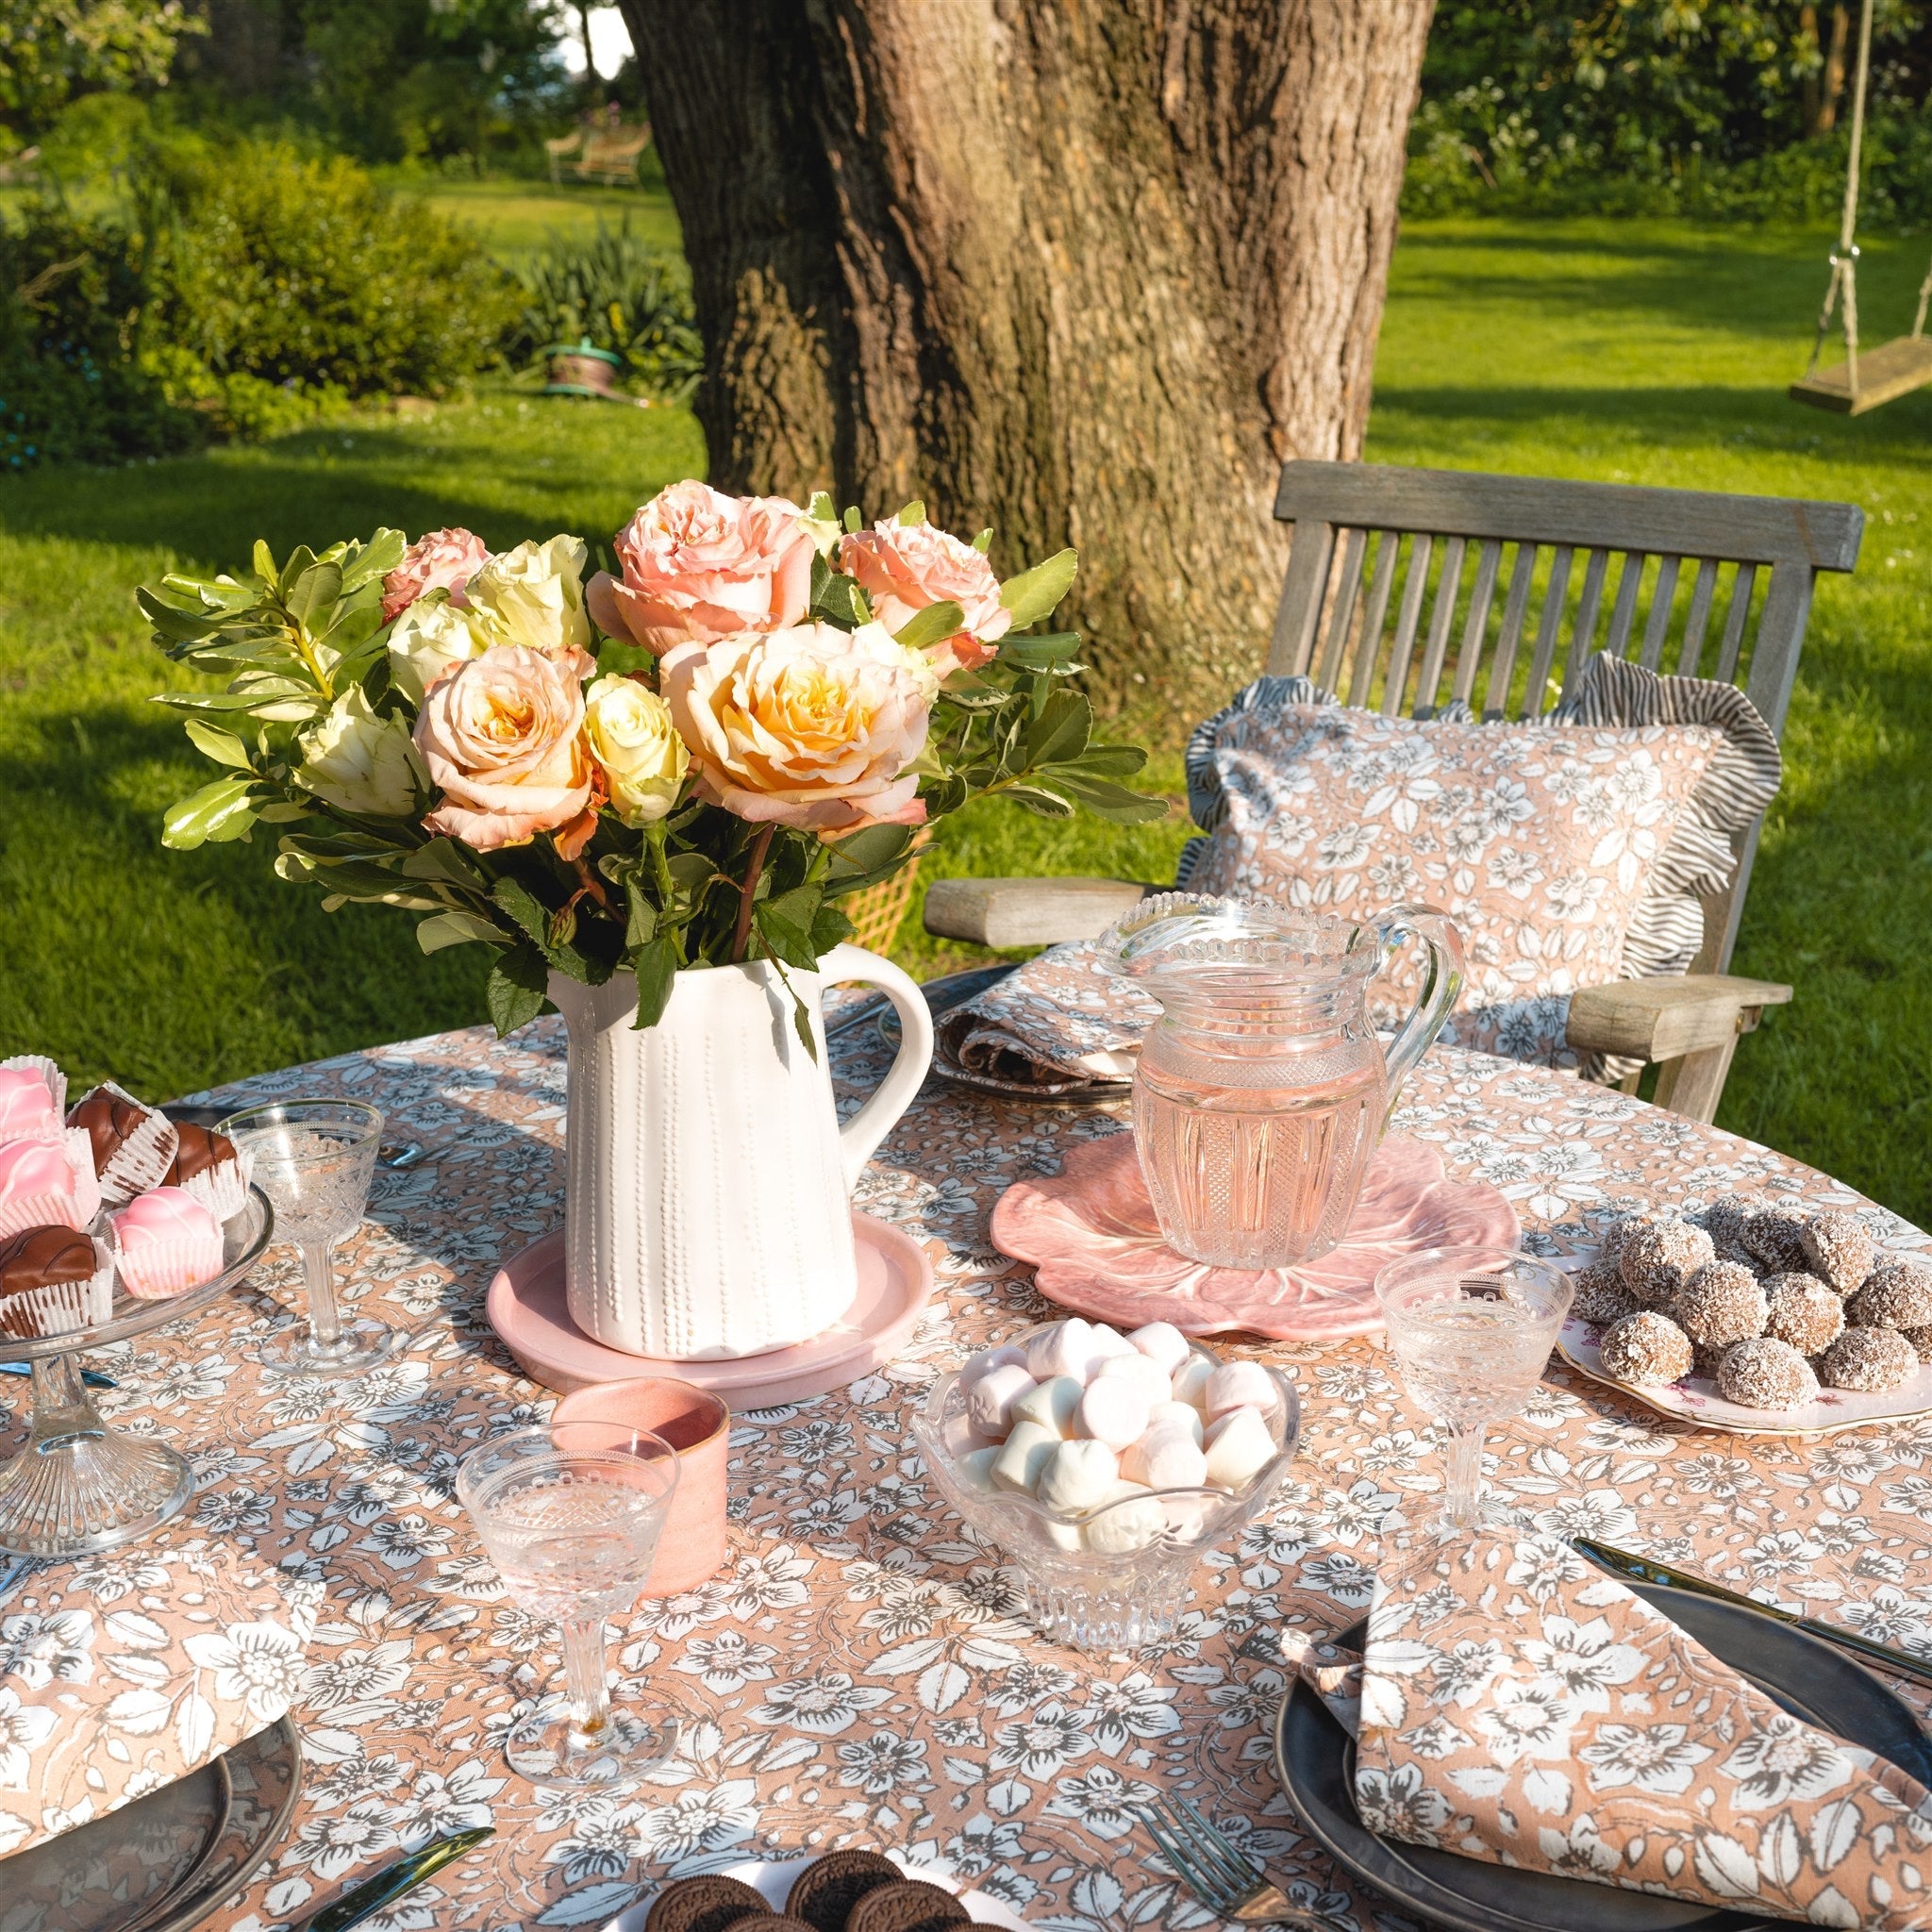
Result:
[
  {"x": 361, "y": 763},
  {"x": 442, "y": 560},
  {"x": 501, "y": 736},
  {"x": 809, "y": 726},
  {"x": 430, "y": 639},
  {"x": 632, "y": 737},
  {"x": 699, "y": 566},
  {"x": 534, "y": 595},
  {"x": 904, "y": 567}
]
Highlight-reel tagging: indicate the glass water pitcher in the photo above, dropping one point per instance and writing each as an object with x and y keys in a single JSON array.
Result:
[{"x": 1262, "y": 1089}]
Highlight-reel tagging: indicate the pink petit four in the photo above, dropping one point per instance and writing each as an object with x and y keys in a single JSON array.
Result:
[
  {"x": 165, "y": 1241},
  {"x": 48, "y": 1183},
  {"x": 31, "y": 1091}
]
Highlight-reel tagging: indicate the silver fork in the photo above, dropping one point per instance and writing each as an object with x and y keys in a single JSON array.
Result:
[{"x": 1220, "y": 1874}]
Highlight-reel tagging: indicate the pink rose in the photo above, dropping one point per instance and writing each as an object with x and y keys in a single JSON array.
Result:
[
  {"x": 904, "y": 567},
  {"x": 812, "y": 726},
  {"x": 444, "y": 561},
  {"x": 502, "y": 735},
  {"x": 699, "y": 566}
]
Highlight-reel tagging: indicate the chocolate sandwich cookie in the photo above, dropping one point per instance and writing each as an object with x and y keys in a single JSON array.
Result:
[
  {"x": 708, "y": 1902},
  {"x": 768, "y": 1921},
  {"x": 911, "y": 1906},
  {"x": 825, "y": 1893}
]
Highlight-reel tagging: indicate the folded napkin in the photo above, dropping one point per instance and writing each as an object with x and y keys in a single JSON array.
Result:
[
  {"x": 120, "y": 1673},
  {"x": 1516, "y": 1705},
  {"x": 1061, "y": 1017}
]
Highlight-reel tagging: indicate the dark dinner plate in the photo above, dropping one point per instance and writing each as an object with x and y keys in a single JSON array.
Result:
[
  {"x": 168, "y": 1860},
  {"x": 1315, "y": 1757}
]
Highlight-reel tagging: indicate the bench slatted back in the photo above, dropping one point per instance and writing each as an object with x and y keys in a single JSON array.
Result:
[{"x": 1501, "y": 587}]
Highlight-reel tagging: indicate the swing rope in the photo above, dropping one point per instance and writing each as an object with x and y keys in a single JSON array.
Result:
[{"x": 1844, "y": 257}]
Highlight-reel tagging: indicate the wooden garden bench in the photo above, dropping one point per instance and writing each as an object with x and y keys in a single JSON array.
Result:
[{"x": 1705, "y": 585}]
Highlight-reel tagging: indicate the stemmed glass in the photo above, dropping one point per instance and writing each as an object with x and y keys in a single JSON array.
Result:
[
  {"x": 315, "y": 1160},
  {"x": 570, "y": 1514},
  {"x": 1472, "y": 1329}
]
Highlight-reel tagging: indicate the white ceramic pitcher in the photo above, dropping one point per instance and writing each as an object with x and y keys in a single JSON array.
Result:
[{"x": 709, "y": 1205}]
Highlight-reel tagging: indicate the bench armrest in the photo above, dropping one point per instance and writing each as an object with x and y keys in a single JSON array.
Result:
[
  {"x": 1028, "y": 912},
  {"x": 1666, "y": 1018}
]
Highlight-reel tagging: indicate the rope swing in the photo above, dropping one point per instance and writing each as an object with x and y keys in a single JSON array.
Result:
[{"x": 1895, "y": 368}]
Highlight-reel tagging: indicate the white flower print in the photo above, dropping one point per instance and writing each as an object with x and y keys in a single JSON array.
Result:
[
  {"x": 1784, "y": 1760},
  {"x": 45, "y": 1650},
  {"x": 333, "y": 1845},
  {"x": 24, "y": 1728},
  {"x": 824, "y": 1705},
  {"x": 1578, "y": 1853},
  {"x": 1397, "y": 1803},
  {"x": 882, "y": 1764},
  {"x": 1101, "y": 1801},
  {"x": 1583, "y": 1659},
  {"x": 1661, "y": 1759},
  {"x": 727, "y": 1662},
  {"x": 1344, "y": 846},
  {"x": 700, "y": 1821},
  {"x": 1527, "y": 1719},
  {"x": 259, "y": 1664},
  {"x": 1044, "y": 1744}
]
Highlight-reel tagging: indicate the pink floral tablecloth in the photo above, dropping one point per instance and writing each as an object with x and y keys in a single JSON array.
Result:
[{"x": 861, "y": 1670}]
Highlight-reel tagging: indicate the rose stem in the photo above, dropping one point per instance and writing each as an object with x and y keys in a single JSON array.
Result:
[{"x": 748, "y": 892}]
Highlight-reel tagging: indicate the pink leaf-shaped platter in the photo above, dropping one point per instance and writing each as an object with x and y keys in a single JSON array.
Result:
[{"x": 1093, "y": 1234}]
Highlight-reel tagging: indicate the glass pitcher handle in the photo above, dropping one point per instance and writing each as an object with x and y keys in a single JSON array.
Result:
[{"x": 1448, "y": 968}]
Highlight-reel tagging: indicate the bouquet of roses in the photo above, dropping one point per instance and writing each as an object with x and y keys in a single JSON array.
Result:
[{"x": 685, "y": 764}]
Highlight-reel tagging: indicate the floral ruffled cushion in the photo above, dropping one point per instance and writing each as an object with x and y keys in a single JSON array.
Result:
[{"x": 1569, "y": 851}]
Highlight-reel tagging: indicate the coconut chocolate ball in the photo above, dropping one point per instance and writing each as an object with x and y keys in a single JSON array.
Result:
[
  {"x": 1706, "y": 1362},
  {"x": 1720, "y": 1303},
  {"x": 1598, "y": 1294},
  {"x": 1921, "y": 1340},
  {"x": 1800, "y": 1310},
  {"x": 1764, "y": 1372},
  {"x": 1839, "y": 1249},
  {"x": 1658, "y": 1256},
  {"x": 1896, "y": 1294},
  {"x": 1646, "y": 1348},
  {"x": 1723, "y": 1220},
  {"x": 1870, "y": 1360},
  {"x": 1775, "y": 1236}
]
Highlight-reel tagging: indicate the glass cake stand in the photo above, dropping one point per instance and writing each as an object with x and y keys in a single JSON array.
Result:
[{"x": 78, "y": 1485}]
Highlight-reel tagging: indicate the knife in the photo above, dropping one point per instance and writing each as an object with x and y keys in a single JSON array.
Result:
[
  {"x": 92, "y": 1377},
  {"x": 392, "y": 1881},
  {"x": 1622, "y": 1563}
]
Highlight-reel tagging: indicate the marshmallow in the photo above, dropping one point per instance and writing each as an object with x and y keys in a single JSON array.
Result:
[
  {"x": 1179, "y": 1415},
  {"x": 1113, "y": 1410},
  {"x": 1137, "y": 1371},
  {"x": 1077, "y": 1476},
  {"x": 1061, "y": 1348},
  {"x": 1104, "y": 1345},
  {"x": 1161, "y": 1342},
  {"x": 989, "y": 1401},
  {"x": 1050, "y": 1404},
  {"x": 986, "y": 1361},
  {"x": 1123, "y": 1525},
  {"x": 1239, "y": 1385},
  {"x": 1164, "y": 1459},
  {"x": 974, "y": 1468},
  {"x": 1238, "y": 1446},
  {"x": 1023, "y": 1456},
  {"x": 1189, "y": 1382}
]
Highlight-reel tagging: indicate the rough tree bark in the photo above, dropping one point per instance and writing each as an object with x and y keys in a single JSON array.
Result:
[{"x": 1085, "y": 270}]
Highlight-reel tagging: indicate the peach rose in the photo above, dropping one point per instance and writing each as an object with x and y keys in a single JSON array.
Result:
[
  {"x": 442, "y": 560},
  {"x": 811, "y": 726},
  {"x": 503, "y": 736},
  {"x": 699, "y": 566},
  {"x": 904, "y": 567}
]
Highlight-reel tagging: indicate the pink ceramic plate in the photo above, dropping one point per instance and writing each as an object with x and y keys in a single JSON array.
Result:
[
  {"x": 527, "y": 1308},
  {"x": 1092, "y": 1232}
]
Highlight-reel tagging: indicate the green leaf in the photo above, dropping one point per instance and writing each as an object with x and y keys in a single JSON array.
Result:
[
  {"x": 642, "y": 925},
  {"x": 456, "y": 929},
  {"x": 515, "y": 993},
  {"x": 1034, "y": 592},
  {"x": 656, "y": 966},
  {"x": 1038, "y": 800},
  {"x": 301, "y": 561},
  {"x": 1107, "y": 800},
  {"x": 914, "y": 512},
  {"x": 209, "y": 814},
  {"x": 524, "y": 907},
  {"x": 839, "y": 600},
  {"x": 222, "y": 747},
  {"x": 374, "y": 559},
  {"x": 801, "y": 1025},
  {"x": 983, "y": 542},
  {"x": 691, "y": 870},
  {"x": 821, "y": 509},
  {"x": 1055, "y": 649},
  {"x": 1061, "y": 732},
  {"x": 1110, "y": 760},
  {"x": 932, "y": 625},
  {"x": 314, "y": 596},
  {"x": 784, "y": 925},
  {"x": 443, "y": 858},
  {"x": 852, "y": 520},
  {"x": 877, "y": 846},
  {"x": 265, "y": 561}
]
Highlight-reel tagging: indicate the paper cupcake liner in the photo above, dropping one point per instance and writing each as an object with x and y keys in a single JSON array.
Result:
[
  {"x": 142, "y": 1161},
  {"x": 50, "y": 1210},
  {"x": 56, "y": 1079},
  {"x": 160, "y": 1268},
  {"x": 61, "y": 1306},
  {"x": 222, "y": 1189}
]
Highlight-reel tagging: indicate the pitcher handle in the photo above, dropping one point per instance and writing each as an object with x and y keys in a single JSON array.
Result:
[
  {"x": 859, "y": 1136},
  {"x": 1448, "y": 967}
]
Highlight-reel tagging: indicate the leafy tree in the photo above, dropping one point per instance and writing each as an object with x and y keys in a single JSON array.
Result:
[{"x": 51, "y": 50}]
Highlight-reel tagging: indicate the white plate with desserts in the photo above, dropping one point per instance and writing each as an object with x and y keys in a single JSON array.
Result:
[{"x": 771, "y": 1879}]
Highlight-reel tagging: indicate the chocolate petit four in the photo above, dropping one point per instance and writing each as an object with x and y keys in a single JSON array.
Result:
[
  {"x": 52, "y": 1281},
  {"x": 133, "y": 1145},
  {"x": 210, "y": 1166}
]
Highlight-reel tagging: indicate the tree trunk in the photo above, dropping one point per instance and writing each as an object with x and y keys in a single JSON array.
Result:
[{"x": 1084, "y": 270}]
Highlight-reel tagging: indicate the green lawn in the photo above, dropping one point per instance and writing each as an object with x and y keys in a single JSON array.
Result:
[
  {"x": 1653, "y": 353},
  {"x": 522, "y": 216}
]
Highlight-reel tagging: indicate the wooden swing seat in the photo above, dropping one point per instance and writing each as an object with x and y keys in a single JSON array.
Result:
[{"x": 1892, "y": 369}]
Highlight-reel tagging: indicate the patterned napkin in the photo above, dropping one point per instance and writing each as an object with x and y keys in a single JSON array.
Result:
[
  {"x": 1516, "y": 1705},
  {"x": 1061, "y": 1017},
  {"x": 122, "y": 1673}
]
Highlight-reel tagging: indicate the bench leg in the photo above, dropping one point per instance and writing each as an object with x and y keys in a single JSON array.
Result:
[{"x": 1693, "y": 1084}]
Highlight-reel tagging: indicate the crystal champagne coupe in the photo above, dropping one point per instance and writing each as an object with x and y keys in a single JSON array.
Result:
[
  {"x": 314, "y": 1159},
  {"x": 571, "y": 1513},
  {"x": 1472, "y": 1329}
]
